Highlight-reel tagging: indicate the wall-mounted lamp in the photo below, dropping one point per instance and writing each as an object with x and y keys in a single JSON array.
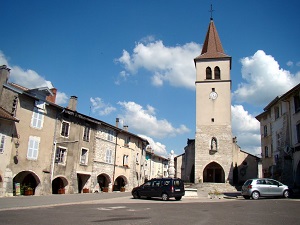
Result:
[{"x": 17, "y": 144}]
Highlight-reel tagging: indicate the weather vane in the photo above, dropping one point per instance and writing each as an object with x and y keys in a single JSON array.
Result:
[{"x": 211, "y": 12}]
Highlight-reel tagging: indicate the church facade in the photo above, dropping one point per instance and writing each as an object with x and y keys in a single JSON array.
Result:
[
  {"x": 214, "y": 156},
  {"x": 213, "y": 140}
]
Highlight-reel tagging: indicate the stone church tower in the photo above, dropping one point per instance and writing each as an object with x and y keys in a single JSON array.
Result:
[{"x": 214, "y": 143}]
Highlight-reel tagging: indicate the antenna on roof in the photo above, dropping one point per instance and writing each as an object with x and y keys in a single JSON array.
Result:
[{"x": 211, "y": 12}]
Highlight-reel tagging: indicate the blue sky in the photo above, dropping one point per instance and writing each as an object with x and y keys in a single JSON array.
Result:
[{"x": 134, "y": 59}]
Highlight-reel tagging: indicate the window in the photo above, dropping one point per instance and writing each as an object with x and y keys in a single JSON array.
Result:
[
  {"x": 278, "y": 139},
  {"x": 265, "y": 131},
  {"x": 110, "y": 135},
  {"x": 37, "y": 118},
  {"x": 266, "y": 152},
  {"x": 137, "y": 158},
  {"x": 108, "y": 157},
  {"x": 297, "y": 103},
  {"x": 208, "y": 73},
  {"x": 127, "y": 140},
  {"x": 84, "y": 156},
  {"x": 125, "y": 160},
  {"x": 61, "y": 154},
  {"x": 2, "y": 140},
  {"x": 298, "y": 132},
  {"x": 217, "y": 73},
  {"x": 65, "y": 127},
  {"x": 86, "y": 133},
  {"x": 156, "y": 183},
  {"x": 33, "y": 147},
  {"x": 276, "y": 111}
]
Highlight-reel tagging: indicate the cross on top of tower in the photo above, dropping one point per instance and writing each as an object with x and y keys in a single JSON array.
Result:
[{"x": 211, "y": 12}]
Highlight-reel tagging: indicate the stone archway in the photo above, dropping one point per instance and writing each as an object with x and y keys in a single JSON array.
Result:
[
  {"x": 119, "y": 183},
  {"x": 58, "y": 185},
  {"x": 214, "y": 173},
  {"x": 28, "y": 182},
  {"x": 103, "y": 181}
]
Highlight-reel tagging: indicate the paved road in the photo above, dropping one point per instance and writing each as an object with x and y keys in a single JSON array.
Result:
[
  {"x": 121, "y": 209},
  {"x": 18, "y": 202}
]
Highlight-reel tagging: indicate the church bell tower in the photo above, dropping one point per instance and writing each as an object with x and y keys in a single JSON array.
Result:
[{"x": 213, "y": 138}]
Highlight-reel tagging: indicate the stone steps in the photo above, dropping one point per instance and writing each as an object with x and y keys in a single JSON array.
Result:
[{"x": 211, "y": 189}]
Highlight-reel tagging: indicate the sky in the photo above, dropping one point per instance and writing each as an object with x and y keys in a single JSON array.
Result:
[{"x": 134, "y": 60}]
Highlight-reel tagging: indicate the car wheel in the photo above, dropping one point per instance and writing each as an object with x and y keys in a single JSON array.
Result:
[
  {"x": 178, "y": 198},
  {"x": 136, "y": 195},
  {"x": 246, "y": 197},
  {"x": 255, "y": 195},
  {"x": 286, "y": 194},
  {"x": 165, "y": 197}
]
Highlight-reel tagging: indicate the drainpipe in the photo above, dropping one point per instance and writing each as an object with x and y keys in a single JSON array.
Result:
[
  {"x": 54, "y": 146},
  {"x": 113, "y": 181}
]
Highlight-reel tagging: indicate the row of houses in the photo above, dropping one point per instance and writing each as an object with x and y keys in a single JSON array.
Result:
[
  {"x": 49, "y": 149},
  {"x": 280, "y": 138}
]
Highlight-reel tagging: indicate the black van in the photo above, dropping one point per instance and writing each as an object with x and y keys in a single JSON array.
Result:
[{"x": 160, "y": 187}]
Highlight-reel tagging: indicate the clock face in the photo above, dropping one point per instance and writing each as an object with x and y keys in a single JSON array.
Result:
[{"x": 213, "y": 95}]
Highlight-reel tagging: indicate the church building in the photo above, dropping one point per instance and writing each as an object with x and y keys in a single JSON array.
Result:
[{"x": 214, "y": 156}]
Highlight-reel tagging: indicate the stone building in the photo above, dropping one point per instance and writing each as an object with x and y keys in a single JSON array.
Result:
[
  {"x": 28, "y": 150},
  {"x": 155, "y": 166},
  {"x": 49, "y": 149},
  {"x": 280, "y": 138},
  {"x": 214, "y": 156}
]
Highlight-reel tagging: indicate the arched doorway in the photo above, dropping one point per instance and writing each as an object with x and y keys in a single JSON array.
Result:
[
  {"x": 119, "y": 183},
  {"x": 297, "y": 176},
  {"x": 28, "y": 182},
  {"x": 82, "y": 180},
  {"x": 192, "y": 174},
  {"x": 103, "y": 181},
  {"x": 58, "y": 185},
  {"x": 213, "y": 173}
]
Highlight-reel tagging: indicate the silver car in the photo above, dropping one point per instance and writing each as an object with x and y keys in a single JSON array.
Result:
[{"x": 264, "y": 187}]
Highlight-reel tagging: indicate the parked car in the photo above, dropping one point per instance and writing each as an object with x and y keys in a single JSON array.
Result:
[
  {"x": 264, "y": 187},
  {"x": 164, "y": 188}
]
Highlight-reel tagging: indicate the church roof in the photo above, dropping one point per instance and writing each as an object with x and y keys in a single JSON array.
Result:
[{"x": 212, "y": 47}]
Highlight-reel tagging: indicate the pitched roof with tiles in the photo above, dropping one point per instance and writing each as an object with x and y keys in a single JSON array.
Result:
[
  {"x": 212, "y": 47},
  {"x": 6, "y": 115}
]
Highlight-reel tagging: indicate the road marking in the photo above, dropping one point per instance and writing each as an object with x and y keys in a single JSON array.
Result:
[{"x": 111, "y": 208}]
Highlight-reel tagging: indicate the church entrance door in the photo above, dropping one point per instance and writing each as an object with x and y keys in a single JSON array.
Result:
[{"x": 213, "y": 173}]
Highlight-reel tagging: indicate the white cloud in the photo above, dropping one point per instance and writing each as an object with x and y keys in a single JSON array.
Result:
[
  {"x": 98, "y": 106},
  {"x": 165, "y": 64},
  {"x": 247, "y": 129},
  {"x": 144, "y": 121},
  {"x": 290, "y": 63},
  {"x": 159, "y": 148},
  {"x": 3, "y": 60},
  {"x": 61, "y": 98},
  {"x": 30, "y": 79},
  {"x": 264, "y": 80}
]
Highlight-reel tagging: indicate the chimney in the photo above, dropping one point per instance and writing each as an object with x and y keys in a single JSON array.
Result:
[
  {"x": 125, "y": 127},
  {"x": 72, "y": 103},
  {"x": 52, "y": 98},
  {"x": 4, "y": 75},
  {"x": 117, "y": 122}
]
